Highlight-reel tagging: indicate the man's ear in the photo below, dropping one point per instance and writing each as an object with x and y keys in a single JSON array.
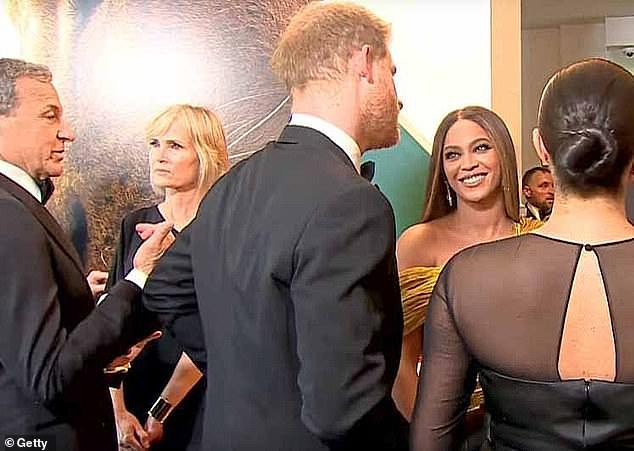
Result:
[
  {"x": 538, "y": 144},
  {"x": 362, "y": 63},
  {"x": 526, "y": 190}
]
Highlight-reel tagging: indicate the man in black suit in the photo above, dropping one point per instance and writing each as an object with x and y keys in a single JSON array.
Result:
[
  {"x": 54, "y": 344},
  {"x": 539, "y": 190},
  {"x": 288, "y": 272}
]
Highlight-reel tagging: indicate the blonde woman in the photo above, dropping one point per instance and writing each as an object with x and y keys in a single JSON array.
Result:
[
  {"x": 472, "y": 197},
  {"x": 187, "y": 152}
]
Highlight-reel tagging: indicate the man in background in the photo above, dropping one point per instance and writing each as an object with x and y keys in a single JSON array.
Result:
[
  {"x": 539, "y": 192},
  {"x": 290, "y": 261}
]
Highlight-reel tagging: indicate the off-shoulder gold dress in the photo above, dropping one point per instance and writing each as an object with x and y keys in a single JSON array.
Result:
[{"x": 418, "y": 282}]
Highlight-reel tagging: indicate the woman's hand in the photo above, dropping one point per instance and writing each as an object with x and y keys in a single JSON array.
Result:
[
  {"x": 130, "y": 433},
  {"x": 154, "y": 430}
]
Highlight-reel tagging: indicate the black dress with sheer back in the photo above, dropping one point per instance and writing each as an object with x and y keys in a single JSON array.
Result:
[{"x": 501, "y": 310}]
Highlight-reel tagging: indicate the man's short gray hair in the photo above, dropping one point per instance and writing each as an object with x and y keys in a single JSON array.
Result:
[{"x": 12, "y": 69}]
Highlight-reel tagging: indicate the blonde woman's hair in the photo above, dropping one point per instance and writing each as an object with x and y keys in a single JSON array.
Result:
[
  {"x": 206, "y": 135},
  {"x": 438, "y": 190},
  {"x": 321, "y": 38}
]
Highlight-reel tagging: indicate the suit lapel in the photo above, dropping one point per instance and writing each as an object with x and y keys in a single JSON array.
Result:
[{"x": 44, "y": 217}]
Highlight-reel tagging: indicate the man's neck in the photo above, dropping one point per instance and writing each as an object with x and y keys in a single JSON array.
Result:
[{"x": 330, "y": 102}]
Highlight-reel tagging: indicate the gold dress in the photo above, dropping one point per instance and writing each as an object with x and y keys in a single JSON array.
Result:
[{"x": 418, "y": 282}]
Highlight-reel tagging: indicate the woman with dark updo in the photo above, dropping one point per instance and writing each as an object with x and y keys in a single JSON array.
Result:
[{"x": 547, "y": 319}]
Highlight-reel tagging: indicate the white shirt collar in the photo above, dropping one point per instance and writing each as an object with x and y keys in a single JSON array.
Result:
[
  {"x": 336, "y": 135},
  {"x": 534, "y": 210},
  {"x": 22, "y": 178}
]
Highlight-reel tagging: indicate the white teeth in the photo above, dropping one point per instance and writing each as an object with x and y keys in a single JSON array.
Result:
[{"x": 473, "y": 180}]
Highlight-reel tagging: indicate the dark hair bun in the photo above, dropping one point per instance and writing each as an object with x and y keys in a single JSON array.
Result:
[
  {"x": 585, "y": 121},
  {"x": 589, "y": 154}
]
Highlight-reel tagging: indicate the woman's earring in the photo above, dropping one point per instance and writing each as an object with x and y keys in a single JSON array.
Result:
[{"x": 449, "y": 196}]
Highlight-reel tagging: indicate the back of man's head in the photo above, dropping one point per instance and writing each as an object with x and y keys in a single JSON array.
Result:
[
  {"x": 321, "y": 38},
  {"x": 12, "y": 69}
]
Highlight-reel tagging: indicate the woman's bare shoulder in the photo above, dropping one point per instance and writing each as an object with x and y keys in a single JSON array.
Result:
[{"x": 418, "y": 245}]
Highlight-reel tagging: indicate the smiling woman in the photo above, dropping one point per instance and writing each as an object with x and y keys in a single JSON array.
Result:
[
  {"x": 471, "y": 163},
  {"x": 472, "y": 197},
  {"x": 484, "y": 129},
  {"x": 554, "y": 356}
]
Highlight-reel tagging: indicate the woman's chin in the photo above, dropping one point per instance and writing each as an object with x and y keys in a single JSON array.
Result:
[{"x": 480, "y": 196}]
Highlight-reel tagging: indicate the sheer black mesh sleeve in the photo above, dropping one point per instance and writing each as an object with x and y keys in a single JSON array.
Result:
[{"x": 449, "y": 378}]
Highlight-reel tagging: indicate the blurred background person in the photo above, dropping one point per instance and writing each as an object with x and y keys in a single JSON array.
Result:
[
  {"x": 187, "y": 153},
  {"x": 553, "y": 357},
  {"x": 539, "y": 192},
  {"x": 472, "y": 197}
]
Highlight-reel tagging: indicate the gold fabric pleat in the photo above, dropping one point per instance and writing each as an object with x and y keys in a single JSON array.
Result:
[{"x": 418, "y": 282}]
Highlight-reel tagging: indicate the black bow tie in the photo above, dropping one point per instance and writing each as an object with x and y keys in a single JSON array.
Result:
[
  {"x": 367, "y": 170},
  {"x": 46, "y": 188}
]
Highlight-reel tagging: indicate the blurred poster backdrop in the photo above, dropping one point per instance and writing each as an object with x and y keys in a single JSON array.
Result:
[{"x": 116, "y": 63}]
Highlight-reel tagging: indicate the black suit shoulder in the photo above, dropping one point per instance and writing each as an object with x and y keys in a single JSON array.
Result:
[
  {"x": 53, "y": 343},
  {"x": 310, "y": 169},
  {"x": 14, "y": 206}
]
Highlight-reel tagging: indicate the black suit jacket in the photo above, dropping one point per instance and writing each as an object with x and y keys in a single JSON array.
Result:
[
  {"x": 290, "y": 262},
  {"x": 53, "y": 342}
]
